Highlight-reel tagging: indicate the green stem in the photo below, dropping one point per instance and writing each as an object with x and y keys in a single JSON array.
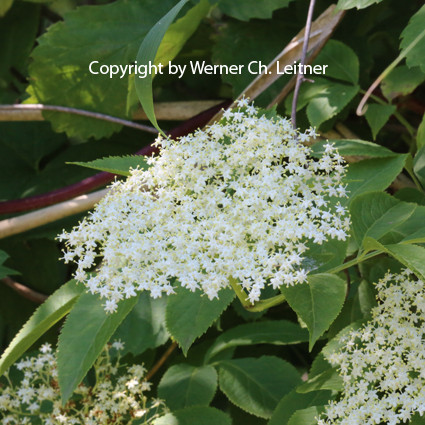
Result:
[
  {"x": 355, "y": 261},
  {"x": 258, "y": 305},
  {"x": 360, "y": 109}
]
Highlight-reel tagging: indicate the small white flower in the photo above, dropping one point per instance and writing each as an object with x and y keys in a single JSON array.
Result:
[{"x": 235, "y": 200}]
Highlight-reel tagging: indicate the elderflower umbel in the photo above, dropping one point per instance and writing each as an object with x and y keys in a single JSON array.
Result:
[
  {"x": 115, "y": 399},
  {"x": 383, "y": 363},
  {"x": 236, "y": 200}
]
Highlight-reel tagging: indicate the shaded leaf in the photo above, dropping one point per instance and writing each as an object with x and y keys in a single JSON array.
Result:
[
  {"x": 116, "y": 164},
  {"x": 248, "y": 9},
  {"x": 190, "y": 314},
  {"x": 343, "y": 63},
  {"x": 377, "y": 115},
  {"x": 347, "y": 147},
  {"x": 294, "y": 401},
  {"x": 86, "y": 331},
  {"x": 413, "y": 40},
  {"x": 257, "y": 385},
  {"x": 184, "y": 385},
  {"x": 277, "y": 332},
  {"x": 306, "y": 416},
  {"x": 5, "y": 271},
  {"x": 420, "y": 136},
  {"x": 359, "y": 4},
  {"x": 317, "y": 302},
  {"x": 375, "y": 214},
  {"x": 110, "y": 34},
  {"x": 144, "y": 327},
  {"x": 401, "y": 80},
  {"x": 48, "y": 314},
  {"x": 327, "y": 380},
  {"x": 419, "y": 165},
  {"x": 372, "y": 175},
  {"x": 195, "y": 415}
]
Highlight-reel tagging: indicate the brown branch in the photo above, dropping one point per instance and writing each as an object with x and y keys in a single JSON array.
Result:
[
  {"x": 161, "y": 361},
  {"x": 24, "y": 291},
  {"x": 300, "y": 76}
]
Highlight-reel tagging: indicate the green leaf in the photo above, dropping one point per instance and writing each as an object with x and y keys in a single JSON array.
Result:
[
  {"x": 372, "y": 175},
  {"x": 419, "y": 165},
  {"x": 144, "y": 327},
  {"x": 195, "y": 415},
  {"x": 347, "y": 147},
  {"x": 306, "y": 416},
  {"x": 413, "y": 40},
  {"x": 321, "y": 258},
  {"x": 49, "y": 313},
  {"x": 343, "y": 63},
  {"x": 412, "y": 256},
  {"x": 420, "y": 136},
  {"x": 174, "y": 39},
  {"x": 116, "y": 164},
  {"x": 110, "y": 34},
  {"x": 330, "y": 102},
  {"x": 18, "y": 31},
  {"x": 190, "y": 314},
  {"x": 5, "y": 5},
  {"x": 317, "y": 302},
  {"x": 276, "y": 332},
  {"x": 359, "y": 4},
  {"x": 294, "y": 401},
  {"x": 245, "y": 10},
  {"x": 184, "y": 385},
  {"x": 377, "y": 115},
  {"x": 5, "y": 271},
  {"x": 327, "y": 380},
  {"x": 257, "y": 385},
  {"x": 148, "y": 50},
  {"x": 401, "y": 81},
  {"x": 86, "y": 331},
  {"x": 375, "y": 214}
]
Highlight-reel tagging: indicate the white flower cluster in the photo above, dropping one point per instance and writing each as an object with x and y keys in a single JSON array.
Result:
[
  {"x": 383, "y": 363},
  {"x": 115, "y": 399},
  {"x": 236, "y": 200}
]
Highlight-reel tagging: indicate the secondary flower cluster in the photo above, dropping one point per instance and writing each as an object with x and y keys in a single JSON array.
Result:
[
  {"x": 236, "y": 200},
  {"x": 383, "y": 363},
  {"x": 114, "y": 399}
]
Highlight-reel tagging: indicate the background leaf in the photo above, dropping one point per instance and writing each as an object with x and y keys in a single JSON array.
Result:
[
  {"x": 377, "y": 115},
  {"x": 49, "y": 313},
  {"x": 343, "y": 63},
  {"x": 413, "y": 40},
  {"x": 277, "y": 332},
  {"x": 190, "y": 314},
  {"x": 359, "y": 4},
  {"x": 401, "y": 81},
  {"x": 144, "y": 327},
  {"x": 317, "y": 303},
  {"x": 353, "y": 147},
  {"x": 294, "y": 401},
  {"x": 248, "y": 9},
  {"x": 84, "y": 335},
  {"x": 257, "y": 385},
  {"x": 184, "y": 385},
  {"x": 195, "y": 415},
  {"x": 116, "y": 164}
]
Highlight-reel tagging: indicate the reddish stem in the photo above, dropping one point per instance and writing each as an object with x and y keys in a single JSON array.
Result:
[{"x": 101, "y": 179}]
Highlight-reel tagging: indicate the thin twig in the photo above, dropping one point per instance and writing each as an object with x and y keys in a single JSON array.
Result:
[
  {"x": 300, "y": 76},
  {"x": 165, "y": 111},
  {"x": 75, "y": 111},
  {"x": 161, "y": 361},
  {"x": 24, "y": 291}
]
